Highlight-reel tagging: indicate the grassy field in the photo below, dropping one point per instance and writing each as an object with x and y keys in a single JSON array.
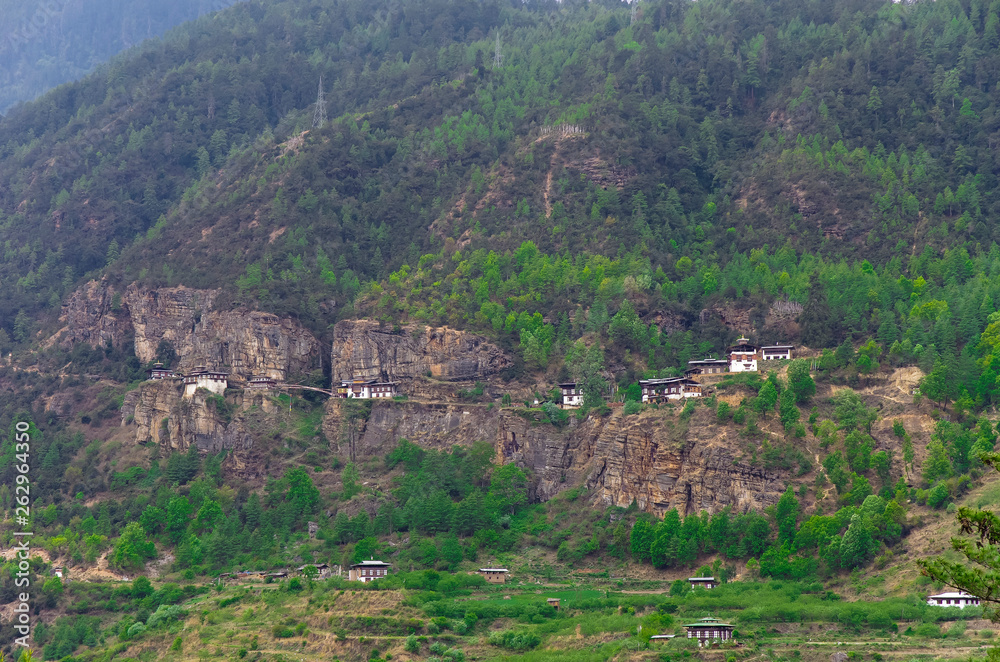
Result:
[{"x": 334, "y": 620}]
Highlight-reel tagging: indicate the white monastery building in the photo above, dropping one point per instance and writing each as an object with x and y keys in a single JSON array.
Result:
[{"x": 215, "y": 381}]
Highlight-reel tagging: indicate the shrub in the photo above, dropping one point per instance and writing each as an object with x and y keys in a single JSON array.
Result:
[
  {"x": 165, "y": 614},
  {"x": 938, "y": 495},
  {"x": 515, "y": 640},
  {"x": 930, "y": 630},
  {"x": 412, "y": 645},
  {"x": 135, "y": 630},
  {"x": 632, "y": 407},
  {"x": 282, "y": 632}
]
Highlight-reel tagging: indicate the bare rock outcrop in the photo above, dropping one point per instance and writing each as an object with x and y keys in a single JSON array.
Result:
[
  {"x": 662, "y": 463},
  {"x": 365, "y": 348},
  {"x": 95, "y": 315},
  {"x": 653, "y": 458},
  {"x": 159, "y": 415},
  {"x": 244, "y": 343}
]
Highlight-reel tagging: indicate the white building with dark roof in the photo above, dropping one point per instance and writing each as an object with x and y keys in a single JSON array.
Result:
[
  {"x": 958, "y": 599},
  {"x": 368, "y": 571},
  {"x": 672, "y": 388},
  {"x": 366, "y": 389},
  {"x": 214, "y": 381}
]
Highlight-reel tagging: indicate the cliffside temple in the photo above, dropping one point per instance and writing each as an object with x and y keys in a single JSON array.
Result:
[{"x": 215, "y": 381}]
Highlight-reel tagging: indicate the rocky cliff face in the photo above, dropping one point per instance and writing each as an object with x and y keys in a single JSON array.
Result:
[
  {"x": 95, "y": 315},
  {"x": 663, "y": 463},
  {"x": 159, "y": 415},
  {"x": 245, "y": 343},
  {"x": 653, "y": 458},
  {"x": 365, "y": 348}
]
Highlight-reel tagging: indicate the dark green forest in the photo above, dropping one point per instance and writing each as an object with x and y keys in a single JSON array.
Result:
[{"x": 45, "y": 44}]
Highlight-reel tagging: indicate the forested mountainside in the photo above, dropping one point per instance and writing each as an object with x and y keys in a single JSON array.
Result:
[
  {"x": 685, "y": 158},
  {"x": 493, "y": 199},
  {"x": 45, "y": 44}
]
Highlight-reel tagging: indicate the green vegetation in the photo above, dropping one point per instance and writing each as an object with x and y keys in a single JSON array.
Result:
[{"x": 822, "y": 173}]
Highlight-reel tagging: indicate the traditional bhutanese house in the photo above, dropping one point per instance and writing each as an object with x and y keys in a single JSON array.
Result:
[
  {"x": 322, "y": 569},
  {"x": 704, "y": 582},
  {"x": 772, "y": 352},
  {"x": 707, "y": 367},
  {"x": 554, "y": 602},
  {"x": 215, "y": 381},
  {"x": 261, "y": 383},
  {"x": 953, "y": 599},
  {"x": 368, "y": 571},
  {"x": 743, "y": 356},
  {"x": 572, "y": 395},
  {"x": 494, "y": 575},
  {"x": 159, "y": 372},
  {"x": 709, "y": 630},
  {"x": 672, "y": 388},
  {"x": 366, "y": 388}
]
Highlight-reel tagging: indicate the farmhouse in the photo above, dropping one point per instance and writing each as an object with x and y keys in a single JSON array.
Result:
[
  {"x": 709, "y": 630},
  {"x": 494, "y": 575},
  {"x": 673, "y": 388},
  {"x": 368, "y": 571},
  {"x": 704, "y": 582},
  {"x": 953, "y": 599},
  {"x": 323, "y": 570},
  {"x": 215, "y": 381},
  {"x": 707, "y": 367}
]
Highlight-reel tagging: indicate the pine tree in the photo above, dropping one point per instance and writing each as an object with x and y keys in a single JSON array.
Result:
[
  {"x": 641, "y": 540},
  {"x": 858, "y": 544},
  {"x": 786, "y": 515},
  {"x": 818, "y": 327}
]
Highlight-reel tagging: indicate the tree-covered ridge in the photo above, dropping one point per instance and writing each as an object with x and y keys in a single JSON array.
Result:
[
  {"x": 704, "y": 131},
  {"x": 46, "y": 44}
]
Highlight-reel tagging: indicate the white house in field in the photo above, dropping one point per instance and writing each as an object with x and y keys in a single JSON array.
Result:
[
  {"x": 953, "y": 599},
  {"x": 368, "y": 571}
]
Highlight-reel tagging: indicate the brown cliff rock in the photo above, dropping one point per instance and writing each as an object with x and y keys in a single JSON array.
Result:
[
  {"x": 159, "y": 415},
  {"x": 653, "y": 458},
  {"x": 663, "y": 463},
  {"x": 243, "y": 342},
  {"x": 364, "y": 348},
  {"x": 95, "y": 316}
]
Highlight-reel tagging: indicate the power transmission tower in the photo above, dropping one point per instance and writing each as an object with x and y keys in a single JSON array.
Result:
[
  {"x": 497, "y": 55},
  {"x": 319, "y": 115},
  {"x": 634, "y": 12}
]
